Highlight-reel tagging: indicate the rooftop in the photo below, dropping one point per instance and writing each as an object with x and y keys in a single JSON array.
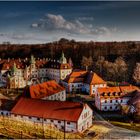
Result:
[
  {"x": 69, "y": 111},
  {"x": 84, "y": 77},
  {"x": 45, "y": 89}
]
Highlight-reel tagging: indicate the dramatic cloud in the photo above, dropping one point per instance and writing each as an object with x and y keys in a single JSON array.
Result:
[{"x": 58, "y": 23}]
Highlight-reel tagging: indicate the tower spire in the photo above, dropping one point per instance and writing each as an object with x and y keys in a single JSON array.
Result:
[{"x": 63, "y": 59}]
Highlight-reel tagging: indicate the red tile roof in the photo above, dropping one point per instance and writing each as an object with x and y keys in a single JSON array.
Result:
[
  {"x": 69, "y": 111},
  {"x": 20, "y": 64},
  {"x": 120, "y": 91},
  {"x": 45, "y": 89},
  {"x": 108, "y": 89},
  {"x": 93, "y": 79},
  {"x": 76, "y": 76},
  {"x": 84, "y": 77}
]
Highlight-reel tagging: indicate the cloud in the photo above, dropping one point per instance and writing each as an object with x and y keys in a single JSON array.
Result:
[{"x": 56, "y": 23}]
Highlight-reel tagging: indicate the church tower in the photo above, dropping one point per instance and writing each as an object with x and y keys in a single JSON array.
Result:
[
  {"x": 63, "y": 59},
  {"x": 32, "y": 62}
]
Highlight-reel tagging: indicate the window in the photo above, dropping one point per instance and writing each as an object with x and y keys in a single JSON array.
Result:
[
  {"x": 85, "y": 115},
  {"x": 105, "y": 108},
  {"x": 110, "y": 107},
  {"x": 30, "y": 117},
  {"x": 110, "y": 101},
  {"x": 59, "y": 121},
  {"x": 62, "y": 127},
  {"x": 38, "y": 119},
  {"x": 1, "y": 113},
  {"x": 68, "y": 122},
  {"x": 105, "y": 101},
  {"x": 51, "y": 120},
  {"x": 44, "y": 119}
]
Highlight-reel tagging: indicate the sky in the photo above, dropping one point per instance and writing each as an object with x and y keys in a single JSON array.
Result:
[{"x": 42, "y": 22}]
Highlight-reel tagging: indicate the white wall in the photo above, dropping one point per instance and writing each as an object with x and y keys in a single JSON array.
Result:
[
  {"x": 64, "y": 73},
  {"x": 4, "y": 113},
  {"x": 60, "y": 96},
  {"x": 85, "y": 119},
  {"x": 69, "y": 126},
  {"x": 110, "y": 104}
]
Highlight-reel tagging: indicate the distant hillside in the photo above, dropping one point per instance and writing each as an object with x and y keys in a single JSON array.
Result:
[{"x": 130, "y": 51}]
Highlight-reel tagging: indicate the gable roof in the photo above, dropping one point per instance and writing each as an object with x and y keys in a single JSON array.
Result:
[
  {"x": 76, "y": 77},
  {"x": 84, "y": 77},
  {"x": 69, "y": 111},
  {"x": 93, "y": 78},
  {"x": 45, "y": 89}
]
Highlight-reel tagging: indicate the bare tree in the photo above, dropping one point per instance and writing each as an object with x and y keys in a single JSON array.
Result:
[
  {"x": 86, "y": 62},
  {"x": 122, "y": 68},
  {"x": 136, "y": 74}
]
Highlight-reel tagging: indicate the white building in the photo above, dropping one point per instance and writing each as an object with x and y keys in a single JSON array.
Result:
[
  {"x": 85, "y": 81},
  {"x": 49, "y": 90},
  {"x": 19, "y": 73},
  {"x": 66, "y": 116},
  {"x": 112, "y": 98},
  {"x": 58, "y": 70}
]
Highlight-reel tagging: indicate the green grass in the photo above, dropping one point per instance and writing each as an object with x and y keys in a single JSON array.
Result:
[{"x": 134, "y": 126}]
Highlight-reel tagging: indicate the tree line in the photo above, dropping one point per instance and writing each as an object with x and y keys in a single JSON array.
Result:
[{"x": 112, "y": 60}]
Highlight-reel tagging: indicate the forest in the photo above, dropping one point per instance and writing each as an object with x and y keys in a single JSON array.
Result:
[{"x": 115, "y": 61}]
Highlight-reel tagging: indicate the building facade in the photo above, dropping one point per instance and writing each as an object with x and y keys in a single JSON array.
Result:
[
  {"x": 65, "y": 116},
  {"x": 83, "y": 81},
  {"x": 49, "y": 90},
  {"x": 113, "y": 98},
  {"x": 17, "y": 73}
]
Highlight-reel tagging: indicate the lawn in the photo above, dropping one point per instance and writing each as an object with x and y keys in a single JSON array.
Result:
[{"x": 131, "y": 126}]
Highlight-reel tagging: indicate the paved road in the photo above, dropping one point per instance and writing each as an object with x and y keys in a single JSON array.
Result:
[{"x": 114, "y": 131}]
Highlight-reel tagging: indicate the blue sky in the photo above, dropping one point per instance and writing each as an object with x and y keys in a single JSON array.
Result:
[{"x": 41, "y": 22}]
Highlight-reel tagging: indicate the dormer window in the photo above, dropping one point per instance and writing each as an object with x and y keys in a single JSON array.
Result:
[{"x": 109, "y": 94}]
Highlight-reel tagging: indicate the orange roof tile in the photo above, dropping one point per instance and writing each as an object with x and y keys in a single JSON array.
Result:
[
  {"x": 6, "y": 65},
  {"x": 84, "y": 76},
  {"x": 69, "y": 111},
  {"x": 108, "y": 90},
  {"x": 45, "y": 89},
  {"x": 93, "y": 79},
  {"x": 76, "y": 76},
  {"x": 120, "y": 91}
]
